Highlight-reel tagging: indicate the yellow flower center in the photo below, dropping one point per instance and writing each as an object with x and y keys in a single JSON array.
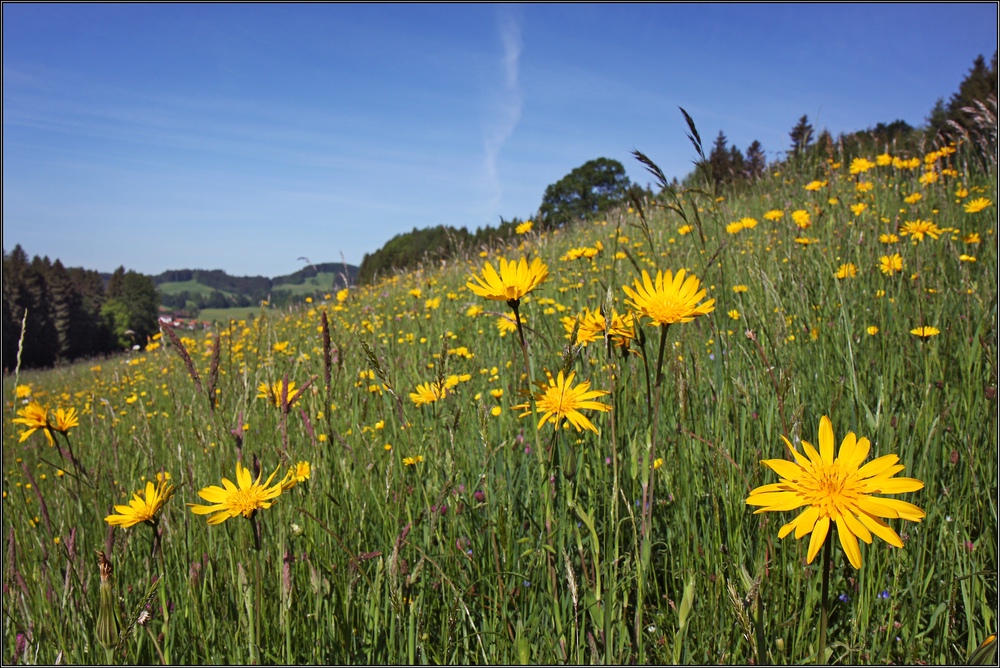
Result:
[{"x": 246, "y": 501}]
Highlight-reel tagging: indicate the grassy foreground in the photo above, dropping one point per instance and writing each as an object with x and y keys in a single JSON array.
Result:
[{"x": 446, "y": 528}]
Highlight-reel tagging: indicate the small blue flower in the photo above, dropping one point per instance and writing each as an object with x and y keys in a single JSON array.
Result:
[
  {"x": 884, "y": 594},
  {"x": 844, "y": 598}
]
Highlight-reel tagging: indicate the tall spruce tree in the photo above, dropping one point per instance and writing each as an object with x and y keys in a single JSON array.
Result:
[
  {"x": 756, "y": 161},
  {"x": 801, "y": 135}
]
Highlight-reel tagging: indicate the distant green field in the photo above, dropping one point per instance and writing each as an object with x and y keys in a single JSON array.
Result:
[
  {"x": 224, "y": 315},
  {"x": 192, "y": 287},
  {"x": 320, "y": 282}
]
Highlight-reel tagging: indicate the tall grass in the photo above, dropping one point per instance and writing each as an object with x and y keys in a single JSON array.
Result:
[{"x": 504, "y": 545}]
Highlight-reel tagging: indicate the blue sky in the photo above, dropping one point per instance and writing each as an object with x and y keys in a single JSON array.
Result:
[{"x": 243, "y": 137}]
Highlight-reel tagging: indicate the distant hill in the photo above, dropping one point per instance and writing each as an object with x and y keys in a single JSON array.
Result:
[{"x": 191, "y": 289}]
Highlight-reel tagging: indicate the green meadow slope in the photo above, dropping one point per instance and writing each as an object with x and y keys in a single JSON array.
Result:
[{"x": 426, "y": 508}]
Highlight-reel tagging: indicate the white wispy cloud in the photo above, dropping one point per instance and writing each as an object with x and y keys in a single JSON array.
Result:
[{"x": 504, "y": 109}]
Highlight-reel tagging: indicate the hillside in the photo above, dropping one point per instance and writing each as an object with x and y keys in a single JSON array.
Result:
[{"x": 199, "y": 288}]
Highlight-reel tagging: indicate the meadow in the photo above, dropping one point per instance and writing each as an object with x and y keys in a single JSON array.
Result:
[{"x": 425, "y": 508}]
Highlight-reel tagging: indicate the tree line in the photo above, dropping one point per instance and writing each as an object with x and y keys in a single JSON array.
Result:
[
  {"x": 71, "y": 312},
  {"x": 969, "y": 114}
]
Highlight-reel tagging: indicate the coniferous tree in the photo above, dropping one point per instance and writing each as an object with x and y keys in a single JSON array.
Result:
[
  {"x": 756, "y": 161},
  {"x": 67, "y": 312},
  {"x": 801, "y": 135},
  {"x": 737, "y": 165},
  {"x": 978, "y": 85},
  {"x": 719, "y": 166},
  {"x": 40, "y": 338}
]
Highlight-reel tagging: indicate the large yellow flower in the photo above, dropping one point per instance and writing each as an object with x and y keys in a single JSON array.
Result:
[
  {"x": 977, "y": 205},
  {"x": 670, "y": 299},
  {"x": 838, "y": 490},
  {"x": 65, "y": 419},
  {"x": 428, "y": 393},
  {"x": 244, "y": 498},
  {"x": 143, "y": 508},
  {"x": 559, "y": 399},
  {"x": 515, "y": 280},
  {"x": 34, "y": 416},
  {"x": 917, "y": 229}
]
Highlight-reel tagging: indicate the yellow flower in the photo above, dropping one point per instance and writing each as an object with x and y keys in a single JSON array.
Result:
[
  {"x": 864, "y": 186},
  {"x": 670, "y": 299},
  {"x": 296, "y": 474},
  {"x": 813, "y": 186},
  {"x": 856, "y": 209},
  {"x": 916, "y": 229},
  {"x": 872, "y": 330},
  {"x": 774, "y": 215},
  {"x": 925, "y": 332},
  {"x": 971, "y": 238},
  {"x": 913, "y": 199},
  {"x": 883, "y": 160},
  {"x": 888, "y": 238},
  {"x": 23, "y": 391},
  {"x": 838, "y": 491},
  {"x": 748, "y": 223},
  {"x": 559, "y": 399},
  {"x": 515, "y": 280},
  {"x": 65, "y": 419},
  {"x": 244, "y": 498},
  {"x": 412, "y": 461},
  {"x": 143, "y": 508},
  {"x": 591, "y": 328},
  {"x": 508, "y": 325},
  {"x": 273, "y": 392},
  {"x": 34, "y": 416},
  {"x": 860, "y": 165},
  {"x": 801, "y": 218},
  {"x": 890, "y": 264},
  {"x": 848, "y": 270},
  {"x": 342, "y": 295},
  {"x": 733, "y": 228},
  {"x": 805, "y": 241},
  {"x": 977, "y": 205},
  {"x": 428, "y": 393},
  {"x": 524, "y": 227},
  {"x": 684, "y": 229},
  {"x": 734, "y": 314},
  {"x": 928, "y": 177},
  {"x": 740, "y": 288}
]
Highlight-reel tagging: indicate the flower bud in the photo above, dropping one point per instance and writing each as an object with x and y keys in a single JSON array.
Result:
[{"x": 108, "y": 620}]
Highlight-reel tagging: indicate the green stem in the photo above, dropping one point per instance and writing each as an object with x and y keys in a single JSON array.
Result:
[{"x": 821, "y": 656}]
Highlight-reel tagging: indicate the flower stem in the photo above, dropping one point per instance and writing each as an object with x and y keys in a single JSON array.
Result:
[{"x": 821, "y": 656}]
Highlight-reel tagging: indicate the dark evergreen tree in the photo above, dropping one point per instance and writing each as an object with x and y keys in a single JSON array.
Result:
[
  {"x": 756, "y": 161},
  {"x": 719, "y": 166},
  {"x": 40, "y": 338},
  {"x": 67, "y": 312},
  {"x": 737, "y": 164},
  {"x": 801, "y": 135},
  {"x": 979, "y": 84}
]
